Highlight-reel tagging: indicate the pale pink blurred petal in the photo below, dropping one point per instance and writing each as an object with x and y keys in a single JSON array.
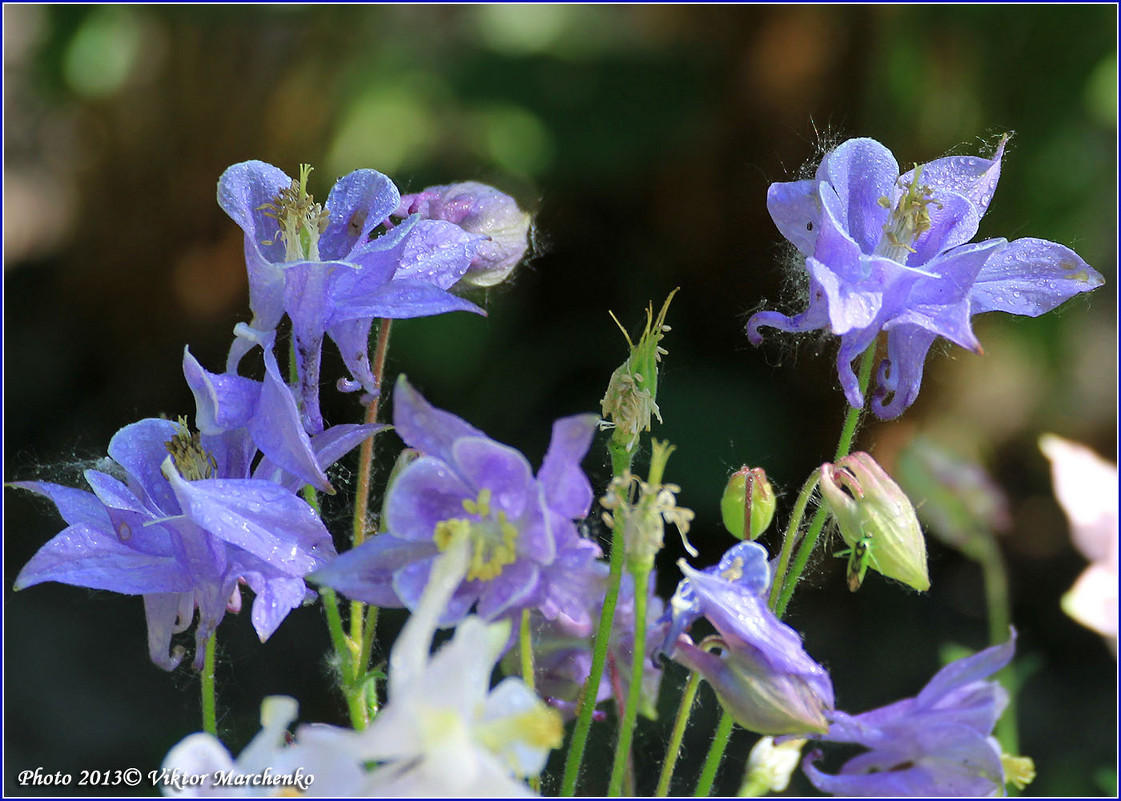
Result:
[{"x": 1086, "y": 487}]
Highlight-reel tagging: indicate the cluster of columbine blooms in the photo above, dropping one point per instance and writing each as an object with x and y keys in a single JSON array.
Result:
[{"x": 471, "y": 536}]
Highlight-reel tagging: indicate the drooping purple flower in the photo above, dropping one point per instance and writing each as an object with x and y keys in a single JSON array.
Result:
[
  {"x": 938, "y": 743},
  {"x": 477, "y": 209},
  {"x": 891, "y": 252},
  {"x": 763, "y": 677},
  {"x": 326, "y": 269},
  {"x": 526, "y": 551}
]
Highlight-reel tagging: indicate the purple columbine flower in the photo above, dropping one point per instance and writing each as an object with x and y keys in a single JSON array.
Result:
[
  {"x": 526, "y": 551},
  {"x": 938, "y": 743},
  {"x": 891, "y": 252},
  {"x": 329, "y": 271},
  {"x": 179, "y": 523},
  {"x": 764, "y": 678},
  {"x": 563, "y": 651},
  {"x": 477, "y": 209},
  {"x": 247, "y": 416},
  {"x": 184, "y": 518}
]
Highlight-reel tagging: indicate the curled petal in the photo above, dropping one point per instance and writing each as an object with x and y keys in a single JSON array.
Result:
[{"x": 900, "y": 374}]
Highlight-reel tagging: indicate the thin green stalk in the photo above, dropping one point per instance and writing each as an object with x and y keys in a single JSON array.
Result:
[
  {"x": 209, "y": 705},
  {"x": 1000, "y": 620},
  {"x": 641, "y": 576},
  {"x": 791, "y": 535},
  {"x": 362, "y": 495},
  {"x": 673, "y": 750},
  {"x": 599, "y": 657},
  {"x": 715, "y": 754},
  {"x": 371, "y": 703},
  {"x": 621, "y": 458},
  {"x": 525, "y": 641},
  {"x": 844, "y": 445},
  {"x": 344, "y": 647}
]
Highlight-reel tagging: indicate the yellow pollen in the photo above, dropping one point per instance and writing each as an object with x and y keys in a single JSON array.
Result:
[
  {"x": 1018, "y": 770},
  {"x": 538, "y": 728},
  {"x": 191, "y": 460},
  {"x": 299, "y": 219},
  {"x": 493, "y": 537},
  {"x": 908, "y": 220},
  {"x": 734, "y": 571}
]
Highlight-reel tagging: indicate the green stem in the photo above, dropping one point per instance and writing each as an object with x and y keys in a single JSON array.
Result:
[
  {"x": 345, "y": 649},
  {"x": 366, "y": 654},
  {"x": 641, "y": 574},
  {"x": 844, "y": 445},
  {"x": 525, "y": 640},
  {"x": 684, "y": 709},
  {"x": 715, "y": 754},
  {"x": 599, "y": 658},
  {"x": 621, "y": 458},
  {"x": 791, "y": 536},
  {"x": 209, "y": 705},
  {"x": 1000, "y": 621}
]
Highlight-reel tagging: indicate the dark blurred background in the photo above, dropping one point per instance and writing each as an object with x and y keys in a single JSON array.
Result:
[{"x": 644, "y": 139}]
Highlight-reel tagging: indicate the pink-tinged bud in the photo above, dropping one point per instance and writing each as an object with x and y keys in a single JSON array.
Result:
[
  {"x": 735, "y": 509},
  {"x": 477, "y": 209},
  {"x": 876, "y": 520}
]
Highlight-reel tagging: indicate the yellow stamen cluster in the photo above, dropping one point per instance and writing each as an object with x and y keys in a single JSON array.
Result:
[
  {"x": 191, "y": 460},
  {"x": 538, "y": 728},
  {"x": 1018, "y": 770},
  {"x": 734, "y": 571},
  {"x": 493, "y": 537},
  {"x": 909, "y": 218},
  {"x": 299, "y": 219}
]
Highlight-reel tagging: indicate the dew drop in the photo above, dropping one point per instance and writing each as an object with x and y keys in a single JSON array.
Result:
[{"x": 124, "y": 533}]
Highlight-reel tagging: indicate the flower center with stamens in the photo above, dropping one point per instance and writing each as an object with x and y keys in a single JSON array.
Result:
[
  {"x": 493, "y": 538},
  {"x": 191, "y": 460},
  {"x": 909, "y": 218},
  {"x": 299, "y": 219}
]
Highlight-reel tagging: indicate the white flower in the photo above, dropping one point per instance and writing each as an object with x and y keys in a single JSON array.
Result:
[
  {"x": 1086, "y": 487},
  {"x": 200, "y": 766},
  {"x": 443, "y": 731}
]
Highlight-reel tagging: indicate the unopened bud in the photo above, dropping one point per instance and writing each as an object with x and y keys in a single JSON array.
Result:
[
  {"x": 737, "y": 509},
  {"x": 876, "y": 520},
  {"x": 758, "y": 697},
  {"x": 478, "y": 209},
  {"x": 770, "y": 766},
  {"x": 631, "y": 398}
]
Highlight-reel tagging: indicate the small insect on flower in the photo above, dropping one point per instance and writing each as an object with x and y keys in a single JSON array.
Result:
[{"x": 860, "y": 557}]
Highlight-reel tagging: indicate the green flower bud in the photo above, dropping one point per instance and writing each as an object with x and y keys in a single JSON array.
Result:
[
  {"x": 736, "y": 509},
  {"x": 631, "y": 398},
  {"x": 876, "y": 520}
]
